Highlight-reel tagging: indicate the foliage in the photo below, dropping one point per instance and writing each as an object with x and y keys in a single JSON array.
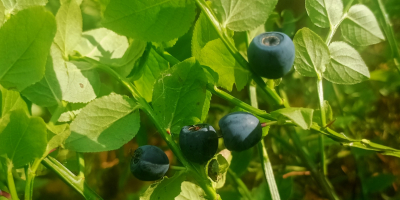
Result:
[{"x": 83, "y": 83}]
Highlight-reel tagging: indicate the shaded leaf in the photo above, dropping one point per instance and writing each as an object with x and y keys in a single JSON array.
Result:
[
  {"x": 10, "y": 101},
  {"x": 243, "y": 15},
  {"x": 150, "y": 20},
  {"x": 104, "y": 124},
  {"x": 23, "y": 138},
  {"x": 75, "y": 81},
  {"x": 148, "y": 74},
  {"x": 179, "y": 95},
  {"x": 203, "y": 33},
  {"x": 25, "y": 41},
  {"x": 300, "y": 116},
  {"x": 216, "y": 56},
  {"x": 167, "y": 188},
  {"x": 110, "y": 48}
]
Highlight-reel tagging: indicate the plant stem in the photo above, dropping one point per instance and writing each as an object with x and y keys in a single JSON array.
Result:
[
  {"x": 30, "y": 177},
  {"x": 388, "y": 28},
  {"x": 214, "y": 89},
  {"x": 31, "y": 170},
  {"x": 57, "y": 113},
  {"x": 235, "y": 53},
  {"x": 268, "y": 171},
  {"x": 10, "y": 182},
  {"x": 333, "y": 27},
  {"x": 262, "y": 152},
  {"x": 179, "y": 168},
  {"x": 81, "y": 165},
  {"x": 242, "y": 187},
  {"x": 78, "y": 183},
  {"x": 150, "y": 113},
  {"x": 323, "y": 123},
  {"x": 304, "y": 155}
]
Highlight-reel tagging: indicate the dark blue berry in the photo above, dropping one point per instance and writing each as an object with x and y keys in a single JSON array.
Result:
[
  {"x": 199, "y": 143},
  {"x": 149, "y": 163},
  {"x": 240, "y": 131},
  {"x": 271, "y": 55}
]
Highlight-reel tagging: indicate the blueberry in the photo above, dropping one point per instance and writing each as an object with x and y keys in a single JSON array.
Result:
[
  {"x": 271, "y": 55},
  {"x": 240, "y": 131},
  {"x": 199, "y": 143},
  {"x": 149, "y": 163}
]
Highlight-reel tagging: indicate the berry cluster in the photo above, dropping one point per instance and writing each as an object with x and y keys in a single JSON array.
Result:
[
  {"x": 199, "y": 143},
  {"x": 271, "y": 55}
]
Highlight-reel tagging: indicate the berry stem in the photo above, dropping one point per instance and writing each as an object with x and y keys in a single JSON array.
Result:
[
  {"x": 265, "y": 124},
  {"x": 179, "y": 168}
]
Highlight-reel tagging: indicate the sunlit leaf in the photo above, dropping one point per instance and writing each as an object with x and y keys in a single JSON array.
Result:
[
  {"x": 360, "y": 26},
  {"x": 312, "y": 54}
]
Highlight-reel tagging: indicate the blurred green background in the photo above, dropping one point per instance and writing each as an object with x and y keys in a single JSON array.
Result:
[{"x": 368, "y": 110}]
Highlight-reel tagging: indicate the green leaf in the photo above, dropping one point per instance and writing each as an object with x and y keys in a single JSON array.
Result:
[
  {"x": 25, "y": 41},
  {"x": 74, "y": 81},
  {"x": 179, "y": 95},
  {"x": 47, "y": 92},
  {"x": 360, "y": 27},
  {"x": 10, "y": 101},
  {"x": 69, "y": 26},
  {"x": 147, "y": 74},
  {"x": 218, "y": 167},
  {"x": 2, "y": 13},
  {"x": 150, "y": 20},
  {"x": 325, "y": 13},
  {"x": 167, "y": 188},
  {"x": 83, "y": 82},
  {"x": 216, "y": 56},
  {"x": 104, "y": 124},
  {"x": 241, "y": 160},
  {"x": 56, "y": 135},
  {"x": 190, "y": 191},
  {"x": 110, "y": 48},
  {"x": 243, "y": 15},
  {"x": 203, "y": 33},
  {"x": 23, "y": 138},
  {"x": 379, "y": 183},
  {"x": 300, "y": 116},
  {"x": 346, "y": 66},
  {"x": 13, "y": 6},
  {"x": 312, "y": 54}
]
